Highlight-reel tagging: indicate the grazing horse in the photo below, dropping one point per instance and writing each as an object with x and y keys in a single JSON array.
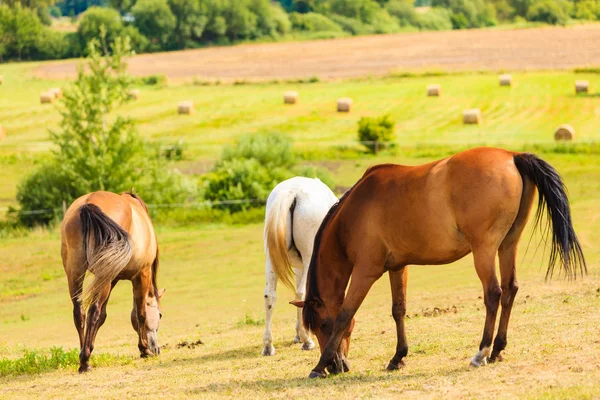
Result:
[
  {"x": 295, "y": 209},
  {"x": 112, "y": 237},
  {"x": 477, "y": 201}
]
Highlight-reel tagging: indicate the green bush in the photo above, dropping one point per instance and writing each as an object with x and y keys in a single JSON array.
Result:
[
  {"x": 404, "y": 12},
  {"x": 352, "y": 25},
  {"x": 281, "y": 20},
  {"x": 239, "y": 180},
  {"x": 96, "y": 17},
  {"x": 270, "y": 150},
  {"x": 313, "y": 22},
  {"x": 553, "y": 12},
  {"x": 249, "y": 171},
  {"x": 362, "y": 10},
  {"x": 52, "y": 45},
  {"x": 376, "y": 133},
  {"x": 154, "y": 20},
  {"x": 153, "y": 80},
  {"x": 41, "y": 195},
  {"x": 436, "y": 19},
  {"x": 587, "y": 10},
  {"x": 382, "y": 22},
  {"x": 468, "y": 13}
]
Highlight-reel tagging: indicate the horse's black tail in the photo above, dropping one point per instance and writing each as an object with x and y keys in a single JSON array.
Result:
[
  {"x": 552, "y": 198},
  {"x": 107, "y": 252}
]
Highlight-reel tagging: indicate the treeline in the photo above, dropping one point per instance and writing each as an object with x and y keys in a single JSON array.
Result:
[{"x": 159, "y": 25}]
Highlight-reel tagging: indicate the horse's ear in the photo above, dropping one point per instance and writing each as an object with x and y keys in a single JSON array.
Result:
[
  {"x": 161, "y": 292},
  {"x": 297, "y": 303}
]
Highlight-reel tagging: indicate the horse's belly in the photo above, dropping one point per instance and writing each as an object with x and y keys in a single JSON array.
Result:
[{"x": 437, "y": 247}]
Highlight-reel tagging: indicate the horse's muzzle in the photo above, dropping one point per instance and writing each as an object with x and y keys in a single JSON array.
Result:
[{"x": 153, "y": 343}]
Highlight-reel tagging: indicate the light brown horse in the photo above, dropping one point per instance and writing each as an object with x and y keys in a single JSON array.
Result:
[
  {"x": 476, "y": 201},
  {"x": 112, "y": 237}
]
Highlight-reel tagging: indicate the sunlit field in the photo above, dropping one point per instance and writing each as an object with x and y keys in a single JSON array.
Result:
[{"x": 213, "y": 321}]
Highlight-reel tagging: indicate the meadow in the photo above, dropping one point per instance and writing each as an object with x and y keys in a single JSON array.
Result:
[{"x": 212, "y": 328}]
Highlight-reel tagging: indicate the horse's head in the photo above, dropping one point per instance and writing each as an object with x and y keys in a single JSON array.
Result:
[
  {"x": 319, "y": 318},
  {"x": 152, "y": 321}
]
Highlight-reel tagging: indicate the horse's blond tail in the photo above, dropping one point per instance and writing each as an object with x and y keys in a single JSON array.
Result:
[
  {"x": 275, "y": 236},
  {"x": 107, "y": 253}
]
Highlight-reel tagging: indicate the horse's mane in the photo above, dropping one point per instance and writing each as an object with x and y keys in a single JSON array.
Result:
[
  {"x": 313, "y": 297},
  {"x": 155, "y": 263}
]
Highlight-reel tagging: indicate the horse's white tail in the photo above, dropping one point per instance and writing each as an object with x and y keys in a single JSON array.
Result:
[
  {"x": 275, "y": 236},
  {"x": 107, "y": 253}
]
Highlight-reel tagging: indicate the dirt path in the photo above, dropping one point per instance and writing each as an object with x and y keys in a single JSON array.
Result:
[{"x": 538, "y": 48}]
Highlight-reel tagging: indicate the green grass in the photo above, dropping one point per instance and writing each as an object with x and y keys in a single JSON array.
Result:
[
  {"x": 36, "y": 362},
  {"x": 214, "y": 273}
]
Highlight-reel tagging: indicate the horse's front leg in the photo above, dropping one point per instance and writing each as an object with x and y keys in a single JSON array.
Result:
[
  {"x": 398, "y": 281},
  {"x": 332, "y": 355},
  {"x": 141, "y": 287},
  {"x": 95, "y": 319}
]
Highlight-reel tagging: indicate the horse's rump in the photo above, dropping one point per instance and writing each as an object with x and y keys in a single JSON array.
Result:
[{"x": 106, "y": 246}]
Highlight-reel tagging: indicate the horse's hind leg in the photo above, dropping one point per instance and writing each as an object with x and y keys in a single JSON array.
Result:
[
  {"x": 398, "y": 280},
  {"x": 270, "y": 298},
  {"x": 485, "y": 265},
  {"x": 75, "y": 288},
  {"x": 507, "y": 255},
  {"x": 509, "y": 291},
  {"x": 301, "y": 334},
  {"x": 95, "y": 318}
]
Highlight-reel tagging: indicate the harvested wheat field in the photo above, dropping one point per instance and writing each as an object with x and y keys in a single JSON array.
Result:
[{"x": 484, "y": 49}]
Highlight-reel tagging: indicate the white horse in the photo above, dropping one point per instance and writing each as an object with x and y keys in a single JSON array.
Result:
[{"x": 295, "y": 210}]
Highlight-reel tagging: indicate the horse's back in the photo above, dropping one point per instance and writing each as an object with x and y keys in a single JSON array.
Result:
[{"x": 432, "y": 213}]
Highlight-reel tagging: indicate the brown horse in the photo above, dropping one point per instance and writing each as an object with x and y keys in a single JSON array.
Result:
[
  {"x": 112, "y": 237},
  {"x": 476, "y": 201}
]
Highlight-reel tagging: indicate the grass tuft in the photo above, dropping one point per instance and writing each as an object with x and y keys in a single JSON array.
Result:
[{"x": 36, "y": 362}]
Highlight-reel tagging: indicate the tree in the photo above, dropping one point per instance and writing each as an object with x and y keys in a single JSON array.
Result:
[
  {"x": 154, "y": 20},
  {"x": 26, "y": 27},
  {"x": 95, "y": 18},
  {"x": 191, "y": 19},
  {"x": 96, "y": 148}
]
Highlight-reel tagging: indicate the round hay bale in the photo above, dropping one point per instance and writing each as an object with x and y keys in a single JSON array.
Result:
[
  {"x": 290, "y": 97},
  {"x": 344, "y": 104},
  {"x": 46, "y": 97},
  {"x": 505, "y": 80},
  {"x": 564, "y": 132},
  {"x": 472, "y": 116},
  {"x": 57, "y": 92},
  {"x": 186, "y": 107},
  {"x": 2, "y": 133},
  {"x": 582, "y": 86},
  {"x": 133, "y": 94},
  {"x": 434, "y": 90}
]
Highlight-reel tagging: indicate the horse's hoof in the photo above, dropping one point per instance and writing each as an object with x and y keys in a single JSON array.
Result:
[
  {"x": 493, "y": 358},
  {"x": 297, "y": 339},
  {"x": 317, "y": 374},
  {"x": 394, "y": 367},
  {"x": 268, "y": 351},
  {"x": 477, "y": 362},
  {"x": 308, "y": 346},
  {"x": 84, "y": 368}
]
